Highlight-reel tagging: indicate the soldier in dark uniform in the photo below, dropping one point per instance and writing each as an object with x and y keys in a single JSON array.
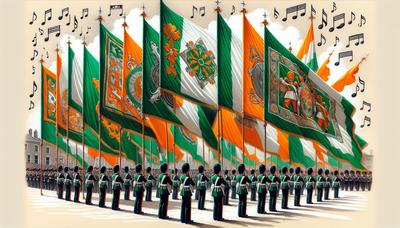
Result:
[
  {"x": 46, "y": 179},
  {"x": 303, "y": 186},
  {"x": 346, "y": 180},
  {"x": 164, "y": 183},
  {"x": 175, "y": 184},
  {"x": 327, "y": 184},
  {"x": 336, "y": 184},
  {"x": 241, "y": 190},
  {"x": 77, "y": 184},
  {"x": 363, "y": 181},
  {"x": 52, "y": 180},
  {"x": 89, "y": 184},
  {"x": 217, "y": 192},
  {"x": 227, "y": 179},
  {"x": 351, "y": 180},
  {"x": 60, "y": 182},
  {"x": 357, "y": 181},
  {"x": 262, "y": 189},
  {"x": 298, "y": 182},
  {"x": 149, "y": 184},
  {"x": 117, "y": 182},
  {"x": 369, "y": 180},
  {"x": 103, "y": 185},
  {"x": 139, "y": 182},
  {"x": 310, "y": 185},
  {"x": 291, "y": 182},
  {"x": 68, "y": 184},
  {"x": 253, "y": 185},
  {"x": 186, "y": 193},
  {"x": 284, "y": 178},
  {"x": 201, "y": 186},
  {"x": 320, "y": 185},
  {"x": 273, "y": 188},
  {"x": 233, "y": 184},
  {"x": 127, "y": 183}
]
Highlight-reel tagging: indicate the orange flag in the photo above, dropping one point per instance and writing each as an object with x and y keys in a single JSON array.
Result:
[
  {"x": 323, "y": 71},
  {"x": 321, "y": 154},
  {"x": 283, "y": 142},
  {"x": 348, "y": 78}
]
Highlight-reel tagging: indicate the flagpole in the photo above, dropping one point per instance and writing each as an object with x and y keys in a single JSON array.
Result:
[
  {"x": 66, "y": 149},
  {"x": 243, "y": 113},
  {"x": 204, "y": 161},
  {"x": 100, "y": 19},
  {"x": 41, "y": 138},
  {"x": 166, "y": 134},
  {"x": 151, "y": 154},
  {"x": 221, "y": 160},
  {"x": 83, "y": 124},
  {"x": 57, "y": 95}
]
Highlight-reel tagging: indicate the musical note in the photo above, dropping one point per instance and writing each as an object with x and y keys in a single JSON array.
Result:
[
  {"x": 313, "y": 12},
  {"x": 88, "y": 28},
  {"x": 85, "y": 13},
  {"x": 35, "y": 54},
  {"x": 333, "y": 7},
  {"x": 80, "y": 34},
  {"x": 233, "y": 10},
  {"x": 48, "y": 18},
  {"x": 276, "y": 13},
  {"x": 116, "y": 7},
  {"x": 324, "y": 21},
  {"x": 75, "y": 24},
  {"x": 362, "y": 19},
  {"x": 352, "y": 17},
  {"x": 41, "y": 31},
  {"x": 34, "y": 89},
  {"x": 296, "y": 9},
  {"x": 359, "y": 37},
  {"x": 366, "y": 119},
  {"x": 366, "y": 104},
  {"x": 322, "y": 39},
  {"x": 69, "y": 20},
  {"x": 193, "y": 9},
  {"x": 54, "y": 29},
  {"x": 31, "y": 105},
  {"x": 64, "y": 12},
  {"x": 336, "y": 41},
  {"x": 34, "y": 17},
  {"x": 337, "y": 18},
  {"x": 202, "y": 11},
  {"x": 34, "y": 40},
  {"x": 33, "y": 69},
  {"x": 344, "y": 54},
  {"x": 361, "y": 82}
]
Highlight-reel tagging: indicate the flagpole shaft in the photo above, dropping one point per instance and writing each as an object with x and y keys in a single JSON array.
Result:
[
  {"x": 243, "y": 137},
  {"x": 151, "y": 154},
  {"x": 219, "y": 135},
  {"x": 99, "y": 141},
  {"x": 66, "y": 149},
  {"x": 166, "y": 134},
  {"x": 143, "y": 153},
  {"x": 119, "y": 149},
  {"x": 83, "y": 158},
  {"x": 265, "y": 143},
  {"x": 41, "y": 167}
]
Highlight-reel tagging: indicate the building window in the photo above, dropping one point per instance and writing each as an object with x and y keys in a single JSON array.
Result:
[
  {"x": 28, "y": 158},
  {"x": 36, "y": 159},
  {"x": 36, "y": 148},
  {"x": 47, "y": 150},
  {"x": 47, "y": 160},
  {"x": 26, "y": 147}
]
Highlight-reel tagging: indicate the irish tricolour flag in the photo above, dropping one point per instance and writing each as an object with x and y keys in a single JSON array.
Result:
[{"x": 307, "y": 50}]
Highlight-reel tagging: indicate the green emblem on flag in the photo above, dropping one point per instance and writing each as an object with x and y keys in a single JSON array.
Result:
[{"x": 134, "y": 88}]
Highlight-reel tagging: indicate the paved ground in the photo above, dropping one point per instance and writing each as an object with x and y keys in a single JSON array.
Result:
[{"x": 51, "y": 210}]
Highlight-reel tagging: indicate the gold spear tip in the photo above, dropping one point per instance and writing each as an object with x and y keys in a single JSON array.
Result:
[
  {"x": 41, "y": 59},
  {"x": 143, "y": 14},
  {"x": 100, "y": 18}
]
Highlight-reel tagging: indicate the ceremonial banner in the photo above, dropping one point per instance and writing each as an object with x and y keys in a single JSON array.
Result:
[
  {"x": 188, "y": 59},
  {"x": 75, "y": 95},
  {"x": 189, "y": 143},
  {"x": 307, "y": 52},
  {"x": 347, "y": 79},
  {"x": 48, "y": 106},
  {"x": 323, "y": 71},
  {"x": 91, "y": 91},
  {"x": 299, "y": 102},
  {"x": 62, "y": 96}
]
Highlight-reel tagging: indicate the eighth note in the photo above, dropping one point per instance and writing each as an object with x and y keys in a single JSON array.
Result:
[
  {"x": 324, "y": 19},
  {"x": 75, "y": 24},
  {"x": 31, "y": 105},
  {"x": 361, "y": 82},
  {"x": 85, "y": 12},
  {"x": 88, "y": 28},
  {"x": 64, "y": 12},
  {"x": 116, "y": 7},
  {"x": 35, "y": 54},
  {"x": 366, "y": 104},
  {"x": 322, "y": 39},
  {"x": 336, "y": 41},
  {"x": 233, "y": 10},
  {"x": 352, "y": 17},
  {"x": 41, "y": 31},
  {"x": 337, "y": 18},
  {"x": 202, "y": 11},
  {"x": 34, "y": 17},
  {"x": 362, "y": 21},
  {"x": 276, "y": 13},
  {"x": 333, "y": 7},
  {"x": 34, "y": 89},
  {"x": 296, "y": 9},
  {"x": 48, "y": 17},
  {"x": 344, "y": 54},
  {"x": 33, "y": 69},
  {"x": 34, "y": 40},
  {"x": 366, "y": 119},
  {"x": 193, "y": 9},
  {"x": 55, "y": 29},
  {"x": 359, "y": 37}
]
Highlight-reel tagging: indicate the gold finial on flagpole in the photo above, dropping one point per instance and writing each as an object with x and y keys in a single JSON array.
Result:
[
  {"x": 41, "y": 59},
  {"x": 364, "y": 58},
  {"x": 143, "y": 14},
  {"x": 57, "y": 49},
  {"x": 69, "y": 40},
  {"x": 218, "y": 9},
  {"x": 264, "y": 22},
  {"x": 243, "y": 7},
  {"x": 290, "y": 47},
  {"x": 125, "y": 25},
  {"x": 100, "y": 18},
  {"x": 84, "y": 40}
]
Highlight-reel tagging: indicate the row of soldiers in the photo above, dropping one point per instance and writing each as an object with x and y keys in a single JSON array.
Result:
[{"x": 288, "y": 181}]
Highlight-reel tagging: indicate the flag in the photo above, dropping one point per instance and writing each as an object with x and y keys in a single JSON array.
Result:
[
  {"x": 348, "y": 78},
  {"x": 48, "y": 106},
  {"x": 189, "y": 143},
  {"x": 253, "y": 71},
  {"x": 62, "y": 97},
  {"x": 323, "y": 71},
  {"x": 230, "y": 67},
  {"x": 188, "y": 59},
  {"x": 307, "y": 52},
  {"x": 300, "y": 103}
]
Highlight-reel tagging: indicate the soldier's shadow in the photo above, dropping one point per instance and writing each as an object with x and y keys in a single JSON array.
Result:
[{"x": 245, "y": 223}]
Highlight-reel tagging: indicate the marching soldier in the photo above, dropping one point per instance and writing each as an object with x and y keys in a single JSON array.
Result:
[
  {"x": 116, "y": 186},
  {"x": 175, "y": 184},
  {"x": 186, "y": 193},
  {"x": 68, "y": 184},
  {"x": 77, "y": 184},
  {"x": 284, "y": 178},
  {"x": 298, "y": 183},
  {"x": 363, "y": 181},
  {"x": 89, "y": 184},
  {"x": 262, "y": 190},
  {"x": 217, "y": 191},
  {"x": 233, "y": 184},
  {"x": 46, "y": 179},
  {"x": 357, "y": 181},
  {"x": 327, "y": 184},
  {"x": 202, "y": 180},
  {"x": 241, "y": 190},
  {"x": 342, "y": 181},
  {"x": 138, "y": 184},
  {"x": 310, "y": 185},
  {"x": 291, "y": 182},
  {"x": 103, "y": 185},
  {"x": 336, "y": 184},
  {"x": 127, "y": 183},
  {"x": 351, "y": 180},
  {"x": 273, "y": 188},
  {"x": 227, "y": 179},
  {"x": 149, "y": 184},
  {"x": 253, "y": 185},
  {"x": 320, "y": 184},
  {"x": 164, "y": 183},
  {"x": 369, "y": 180},
  {"x": 346, "y": 180},
  {"x": 52, "y": 180},
  {"x": 60, "y": 182}
]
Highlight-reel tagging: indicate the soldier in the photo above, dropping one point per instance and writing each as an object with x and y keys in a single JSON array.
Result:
[
  {"x": 116, "y": 187},
  {"x": 369, "y": 180},
  {"x": 241, "y": 190},
  {"x": 273, "y": 188},
  {"x": 68, "y": 184},
  {"x": 284, "y": 178},
  {"x": 233, "y": 184},
  {"x": 351, "y": 180},
  {"x": 342, "y": 181},
  {"x": 77, "y": 184},
  {"x": 138, "y": 184},
  {"x": 217, "y": 192},
  {"x": 310, "y": 185},
  {"x": 327, "y": 184},
  {"x": 103, "y": 185},
  {"x": 291, "y": 182},
  {"x": 262, "y": 190},
  {"x": 46, "y": 179},
  {"x": 89, "y": 184},
  {"x": 201, "y": 186},
  {"x": 60, "y": 182},
  {"x": 253, "y": 185},
  {"x": 357, "y": 181},
  {"x": 149, "y": 184},
  {"x": 364, "y": 181},
  {"x": 346, "y": 180},
  {"x": 127, "y": 183},
  {"x": 336, "y": 184},
  {"x": 320, "y": 184},
  {"x": 164, "y": 181},
  {"x": 227, "y": 179},
  {"x": 175, "y": 184},
  {"x": 298, "y": 182},
  {"x": 303, "y": 183},
  {"x": 186, "y": 193},
  {"x": 52, "y": 180}
]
